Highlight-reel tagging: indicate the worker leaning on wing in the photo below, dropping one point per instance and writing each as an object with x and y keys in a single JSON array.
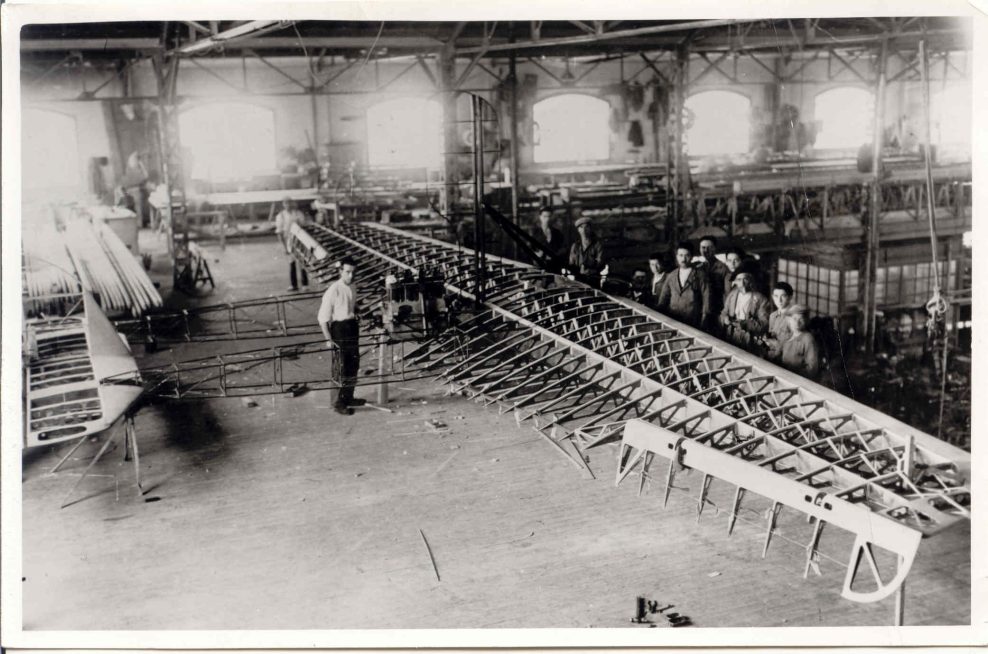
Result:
[
  {"x": 658, "y": 268},
  {"x": 587, "y": 254},
  {"x": 745, "y": 316},
  {"x": 552, "y": 238},
  {"x": 778, "y": 321},
  {"x": 800, "y": 353},
  {"x": 685, "y": 292}
]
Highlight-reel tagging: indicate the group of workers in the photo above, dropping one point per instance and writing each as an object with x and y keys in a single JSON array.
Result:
[{"x": 720, "y": 297}]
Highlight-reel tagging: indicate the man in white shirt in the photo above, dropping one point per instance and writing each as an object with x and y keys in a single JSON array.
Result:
[
  {"x": 338, "y": 320},
  {"x": 288, "y": 216}
]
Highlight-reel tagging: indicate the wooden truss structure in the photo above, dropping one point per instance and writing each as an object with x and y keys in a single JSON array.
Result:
[
  {"x": 287, "y": 364},
  {"x": 585, "y": 368},
  {"x": 68, "y": 362}
]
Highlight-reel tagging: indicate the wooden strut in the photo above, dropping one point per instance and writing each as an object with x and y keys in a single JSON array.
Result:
[
  {"x": 428, "y": 551},
  {"x": 130, "y": 453}
]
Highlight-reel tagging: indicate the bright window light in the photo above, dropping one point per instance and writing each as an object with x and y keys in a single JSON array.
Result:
[
  {"x": 228, "y": 140},
  {"x": 404, "y": 133},
  {"x": 50, "y": 150},
  {"x": 845, "y": 115},
  {"x": 572, "y": 127},
  {"x": 950, "y": 117},
  {"x": 721, "y": 123}
]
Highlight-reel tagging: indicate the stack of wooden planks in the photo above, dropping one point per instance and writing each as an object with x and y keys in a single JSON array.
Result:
[
  {"x": 49, "y": 283},
  {"x": 108, "y": 269},
  {"x": 85, "y": 255}
]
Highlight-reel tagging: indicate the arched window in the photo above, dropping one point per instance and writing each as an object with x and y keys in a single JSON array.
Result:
[
  {"x": 845, "y": 115},
  {"x": 721, "y": 123},
  {"x": 404, "y": 133},
  {"x": 950, "y": 117},
  {"x": 572, "y": 127},
  {"x": 228, "y": 140},
  {"x": 50, "y": 150}
]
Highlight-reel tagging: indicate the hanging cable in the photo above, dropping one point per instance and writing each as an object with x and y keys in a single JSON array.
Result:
[{"x": 936, "y": 308}]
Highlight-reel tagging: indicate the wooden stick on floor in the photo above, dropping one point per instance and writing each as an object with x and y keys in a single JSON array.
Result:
[{"x": 431, "y": 558}]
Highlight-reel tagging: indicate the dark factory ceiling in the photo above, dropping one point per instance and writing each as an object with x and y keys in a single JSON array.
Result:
[{"x": 491, "y": 40}]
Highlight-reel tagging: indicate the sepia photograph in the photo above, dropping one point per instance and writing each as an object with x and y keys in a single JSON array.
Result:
[{"x": 367, "y": 324}]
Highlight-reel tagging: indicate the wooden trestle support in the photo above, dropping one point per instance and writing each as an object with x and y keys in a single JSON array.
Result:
[{"x": 585, "y": 368}]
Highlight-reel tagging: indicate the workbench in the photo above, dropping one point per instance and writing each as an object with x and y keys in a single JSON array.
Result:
[{"x": 250, "y": 199}]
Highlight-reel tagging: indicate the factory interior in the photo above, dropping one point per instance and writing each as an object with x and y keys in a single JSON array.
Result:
[{"x": 635, "y": 324}]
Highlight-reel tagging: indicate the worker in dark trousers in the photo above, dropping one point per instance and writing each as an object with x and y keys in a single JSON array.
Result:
[
  {"x": 338, "y": 321},
  {"x": 288, "y": 216},
  {"x": 685, "y": 292}
]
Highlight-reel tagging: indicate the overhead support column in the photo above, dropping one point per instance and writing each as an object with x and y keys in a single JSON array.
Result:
[
  {"x": 313, "y": 102},
  {"x": 172, "y": 175},
  {"x": 513, "y": 122},
  {"x": 875, "y": 204},
  {"x": 447, "y": 87},
  {"x": 677, "y": 158}
]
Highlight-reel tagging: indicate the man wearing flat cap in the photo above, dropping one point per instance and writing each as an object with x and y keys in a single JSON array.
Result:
[
  {"x": 587, "y": 255},
  {"x": 745, "y": 315}
]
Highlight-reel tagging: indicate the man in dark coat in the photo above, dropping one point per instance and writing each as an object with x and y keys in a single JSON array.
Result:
[
  {"x": 639, "y": 291},
  {"x": 685, "y": 292},
  {"x": 658, "y": 268},
  {"x": 587, "y": 255},
  {"x": 552, "y": 238},
  {"x": 717, "y": 273}
]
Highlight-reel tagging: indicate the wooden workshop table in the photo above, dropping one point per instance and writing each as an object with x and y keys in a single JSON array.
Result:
[{"x": 250, "y": 199}]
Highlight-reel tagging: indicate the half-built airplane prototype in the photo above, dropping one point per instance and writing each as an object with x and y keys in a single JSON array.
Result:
[{"x": 66, "y": 360}]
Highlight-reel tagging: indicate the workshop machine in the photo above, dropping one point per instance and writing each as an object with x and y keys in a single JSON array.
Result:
[{"x": 415, "y": 305}]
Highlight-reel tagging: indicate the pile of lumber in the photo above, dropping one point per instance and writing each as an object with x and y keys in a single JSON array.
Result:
[
  {"x": 50, "y": 285},
  {"x": 83, "y": 255}
]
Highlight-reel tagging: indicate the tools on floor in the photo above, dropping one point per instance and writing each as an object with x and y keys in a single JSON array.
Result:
[
  {"x": 645, "y": 607},
  {"x": 296, "y": 390},
  {"x": 436, "y": 425}
]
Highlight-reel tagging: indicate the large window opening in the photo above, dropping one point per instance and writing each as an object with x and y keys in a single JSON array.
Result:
[
  {"x": 404, "y": 133},
  {"x": 719, "y": 123},
  {"x": 573, "y": 128},
  {"x": 844, "y": 116},
  {"x": 50, "y": 150},
  {"x": 228, "y": 140},
  {"x": 950, "y": 118}
]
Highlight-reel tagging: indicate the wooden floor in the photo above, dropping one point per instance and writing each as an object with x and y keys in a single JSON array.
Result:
[{"x": 288, "y": 516}]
